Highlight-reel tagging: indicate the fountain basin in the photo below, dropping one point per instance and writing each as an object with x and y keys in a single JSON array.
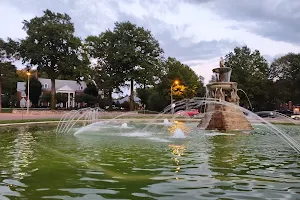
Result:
[{"x": 223, "y": 85}]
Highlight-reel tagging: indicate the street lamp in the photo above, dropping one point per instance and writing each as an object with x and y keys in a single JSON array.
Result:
[
  {"x": 28, "y": 101},
  {"x": 176, "y": 82}
]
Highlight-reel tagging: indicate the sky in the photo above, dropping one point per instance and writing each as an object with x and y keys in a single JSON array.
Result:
[{"x": 196, "y": 32}]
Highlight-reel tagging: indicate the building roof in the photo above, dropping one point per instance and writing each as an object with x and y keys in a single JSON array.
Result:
[
  {"x": 135, "y": 98},
  {"x": 70, "y": 84}
]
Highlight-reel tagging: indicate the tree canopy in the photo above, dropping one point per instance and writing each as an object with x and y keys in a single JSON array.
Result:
[
  {"x": 250, "y": 71},
  {"x": 285, "y": 73},
  {"x": 35, "y": 90},
  {"x": 129, "y": 55},
  {"x": 51, "y": 45},
  {"x": 138, "y": 53},
  {"x": 189, "y": 85},
  {"x": 8, "y": 76}
]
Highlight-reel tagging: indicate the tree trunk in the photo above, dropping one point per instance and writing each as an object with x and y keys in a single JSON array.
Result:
[
  {"x": 131, "y": 103},
  {"x": 110, "y": 99},
  {"x": 0, "y": 96},
  {"x": 53, "y": 100}
]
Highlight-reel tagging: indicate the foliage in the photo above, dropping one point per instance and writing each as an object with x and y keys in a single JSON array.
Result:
[
  {"x": 50, "y": 44},
  {"x": 8, "y": 78},
  {"x": 189, "y": 82},
  {"x": 157, "y": 102},
  {"x": 61, "y": 98},
  {"x": 285, "y": 72},
  {"x": 91, "y": 89},
  {"x": 8, "y": 75},
  {"x": 22, "y": 76},
  {"x": 86, "y": 98},
  {"x": 125, "y": 105},
  {"x": 35, "y": 90},
  {"x": 107, "y": 73},
  {"x": 139, "y": 55},
  {"x": 144, "y": 95},
  {"x": 250, "y": 71},
  {"x": 158, "y": 97},
  {"x": 46, "y": 97}
]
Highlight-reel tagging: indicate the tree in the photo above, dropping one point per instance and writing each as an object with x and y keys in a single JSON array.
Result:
[
  {"x": 139, "y": 54},
  {"x": 22, "y": 76},
  {"x": 156, "y": 101},
  {"x": 91, "y": 89},
  {"x": 285, "y": 73},
  {"x": 50, "y": 44},
  {"x": 86, "y": 98},
  {"x": 61, "y": 98},
  {"x": 35, "y": 90},
  {"x": 189, "y": 85},
  {"x": 108, "y": 73},
  {"x": 46, "y": 97},
  {"x": 7, "y": 70},
  {"x": 201, "y": 91},
  {"x": 250, "y": 71},
  {"x": 213, "y": 79}
]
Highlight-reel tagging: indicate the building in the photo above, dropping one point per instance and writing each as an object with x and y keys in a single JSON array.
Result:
[
  {"x": 69, "y": 87},
  {"x": 127, "y": 99}
]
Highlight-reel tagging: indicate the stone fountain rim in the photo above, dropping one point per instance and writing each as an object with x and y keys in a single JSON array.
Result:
[
  {"x": 222, "y": 69},
  {"x": 221, "y": 83}
]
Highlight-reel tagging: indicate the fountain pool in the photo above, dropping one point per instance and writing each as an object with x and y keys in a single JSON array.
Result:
[{"x": 37, "y": 163}]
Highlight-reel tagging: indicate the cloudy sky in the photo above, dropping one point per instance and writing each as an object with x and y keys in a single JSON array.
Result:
[{"x": 196, "y": 32}]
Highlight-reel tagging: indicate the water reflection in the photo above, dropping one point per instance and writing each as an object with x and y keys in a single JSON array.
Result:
[
  {"x": 177, "y": 151},
  {"x": 19, "y": 156},
  {"x": 40, "y": 165},
  {"x": 22, "y": 153},
  {"x": 179, "y": 125}
]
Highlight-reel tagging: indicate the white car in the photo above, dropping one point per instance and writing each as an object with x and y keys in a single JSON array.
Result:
[{"x": 296, "y": 117}]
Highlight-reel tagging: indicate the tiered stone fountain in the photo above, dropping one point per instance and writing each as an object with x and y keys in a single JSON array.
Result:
[{"x": 219, "y": 116}]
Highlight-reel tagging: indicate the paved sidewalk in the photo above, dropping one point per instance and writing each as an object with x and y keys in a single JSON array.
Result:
[{"x": 10, "y": 116}]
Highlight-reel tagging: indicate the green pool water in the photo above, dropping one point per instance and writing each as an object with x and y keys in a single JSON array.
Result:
[{"x": 35, "y": 163}]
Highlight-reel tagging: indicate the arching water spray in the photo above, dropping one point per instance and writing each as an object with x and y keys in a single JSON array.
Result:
[{"x": 247, "y": 98}]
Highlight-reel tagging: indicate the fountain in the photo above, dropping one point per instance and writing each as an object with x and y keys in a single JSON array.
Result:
[
  {"x": 178, "y": 133},
  {"x": 224, "y": 117},
  {"x": 69, "y": 120},
  {"x": 167, "y": 122},
  {"x": 124, "y": 125}
]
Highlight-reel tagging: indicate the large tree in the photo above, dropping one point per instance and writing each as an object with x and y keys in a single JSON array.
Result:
[
  {"x": 188, "y": 80},
  {"x": 107, "y": 73},
  {"x": 50, "y": 45},
  {"x": 35, "y": 90},
  {"x": 139, "y": 54},
  {"x": 189, "y": 85},
  {"x": 8, "y": 75},
  {"x": 91, "y": 89},
  {"x": 285, "y": 73},
  {"x": 250, "y": 71}
]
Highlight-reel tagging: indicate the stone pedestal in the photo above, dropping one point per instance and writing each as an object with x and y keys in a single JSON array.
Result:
[{"x": 226, "y": 118}]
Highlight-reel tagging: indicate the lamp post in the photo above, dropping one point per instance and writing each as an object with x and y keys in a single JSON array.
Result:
[
  {"x": 176, "y": 82},
  {"x": 28, "y": 101}
]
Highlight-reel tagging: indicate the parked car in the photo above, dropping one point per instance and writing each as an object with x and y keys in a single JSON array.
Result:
[
  {"x": 190, "y": 113},
  {"x": 296, "y": 117},
  {"x": 266, "y": 114}
]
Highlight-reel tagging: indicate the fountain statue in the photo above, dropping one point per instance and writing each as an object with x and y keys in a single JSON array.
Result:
[{"x": 224, "y": 117}]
